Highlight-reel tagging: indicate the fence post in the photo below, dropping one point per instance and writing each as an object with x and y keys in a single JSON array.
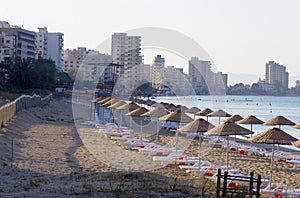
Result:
[
  {"x": 258, "y": 186},
  {"x": 251, "y": 184},
  {"x": 218, "y": 183},
  {"x": 12, "y": 152},
  {"x": 225, "y": 184}
]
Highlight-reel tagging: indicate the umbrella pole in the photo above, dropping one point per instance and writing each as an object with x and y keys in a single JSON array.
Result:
[
  {"x": 227, "y": 152},
  {"x": 272, "y": 159},
  {"x": 200, "y": 141},
  {"x": 141, "y": 130},
  {"x": 121, "y": 119},
  {"x": 157, "y": 129}
]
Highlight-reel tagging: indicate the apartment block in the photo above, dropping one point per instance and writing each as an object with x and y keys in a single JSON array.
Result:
[
  {"x": 126, "y": 52},
  {"x": 277, "y": 75},
  {"x": 16, "y": 42},
  {"x": 72, "y": 59},
  {"x": 49, "y": 46}
]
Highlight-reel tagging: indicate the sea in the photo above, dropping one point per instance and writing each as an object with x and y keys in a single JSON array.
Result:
[{"x": 263, "y": 107}]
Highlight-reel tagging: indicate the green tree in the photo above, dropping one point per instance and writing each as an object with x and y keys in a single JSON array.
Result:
[
  {"x": 19, "y": 73},
  {"x": 44, "y": 74}
]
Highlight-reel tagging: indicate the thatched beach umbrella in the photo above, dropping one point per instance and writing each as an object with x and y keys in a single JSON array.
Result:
[
  {"x": 192, "y": 110},
  {"x": 110, "y": 102},
  {"x": 296, "y": 144},
  {"x": 250, "y": 120},
  {"x": 150, "y": 102},
  {"x": 278, "y": 120},
  {"x": 98, "y": 99},
  {"x": 218, "y": 113},
  {"x": 129, "y": 107},
  {"x": 180, "y": 108},
  {"x": 104, "y": 100},
  {"x": 234, "y": 118},
  {"x": 199, "y": 126},
  {"x": 138, "y": 113},
  {"x": 157, "y": 112},
  {"x": 176, "y": 116},
  {"x": 204, "y": 112},
  {"x": 117, "y": 104},
  {"x": 273, "y": 136},
  {"x": 297, "y": 126},
  {"x": 227, "y": 129}
]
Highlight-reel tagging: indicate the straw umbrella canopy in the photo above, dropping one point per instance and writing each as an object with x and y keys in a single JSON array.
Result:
[
  {"x": 250, "y": 120},
  {"x": 297, "y": 126},
  {"x": 204, "y": 112},
  {"x": 279, "y": 120},
  {"x": 234, "y": 118},
  {"x": 176, "y": 116},
  {"x": 130, "y": 106},
  {"x": 150, "y": 102},
  {"x": 192, "y": 110},
  {"x": 180, "y": 108},
  {"x": 227, "y": 129},
  {"x": 138, "y": 113},
  {"x": 104, "y": 100},
  {"x": 110, "y": 102},
  {"x": 273, "y": 136},
  {"x": 297, "y": 144},
  {"x": 98, "y": 99},
  {"x": 117, "y": 104},
  {"x": 218, "y": 113}
]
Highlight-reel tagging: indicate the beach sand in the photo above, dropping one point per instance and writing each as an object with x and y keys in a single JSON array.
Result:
[{"x": 50, "y": 160}]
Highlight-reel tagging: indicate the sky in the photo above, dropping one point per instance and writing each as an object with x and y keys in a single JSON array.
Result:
[{"x": 240, "y": 36}]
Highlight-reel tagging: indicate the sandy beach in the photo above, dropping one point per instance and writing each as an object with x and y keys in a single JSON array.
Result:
[{"x": 51, "y": 160}]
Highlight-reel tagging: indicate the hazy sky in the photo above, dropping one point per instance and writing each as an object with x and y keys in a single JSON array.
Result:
[{"x": 240, "y": 36}]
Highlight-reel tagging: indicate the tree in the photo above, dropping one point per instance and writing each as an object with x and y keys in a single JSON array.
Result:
[
  {"x": 44, "y": 75},
  {"x": 19, "y": 74}
]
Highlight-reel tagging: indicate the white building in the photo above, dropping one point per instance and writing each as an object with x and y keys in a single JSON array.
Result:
[
  {"x": 277, "y": 75},
  {"x": 157, "y": 69},
  {"x": 126, "y": 51},
  {"x": 72, "y": 59},
  {"x": 94, "y": 67},
  {"x": 49, "y": 45},
  {"x": 143, "y": 73},
  {"x": 15, "y": 42}
]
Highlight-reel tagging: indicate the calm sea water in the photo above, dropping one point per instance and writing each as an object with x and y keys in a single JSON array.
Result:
[{"x": 263, "y": 107}]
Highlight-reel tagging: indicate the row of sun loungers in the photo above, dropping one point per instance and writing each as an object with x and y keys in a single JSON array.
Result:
[{"x": 165, "y": 155}]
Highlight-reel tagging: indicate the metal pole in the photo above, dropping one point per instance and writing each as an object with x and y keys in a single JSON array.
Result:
[
  {"x": 227, "y": 152},
  {"x": 141, "y": 130},
  {"x": 200, "y": 141},
  {"x": 272, "y": 159},
  {"x": 157, "y": 129}
]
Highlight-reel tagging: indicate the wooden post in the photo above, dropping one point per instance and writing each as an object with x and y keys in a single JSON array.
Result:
[
  {"x": 218, "y": 183},
  {"x": 225, "y": 184},
  {"x": 251, "y": 184},
  {"x": 12, "y": 152},
  {"x": 258, "y": 186}
]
